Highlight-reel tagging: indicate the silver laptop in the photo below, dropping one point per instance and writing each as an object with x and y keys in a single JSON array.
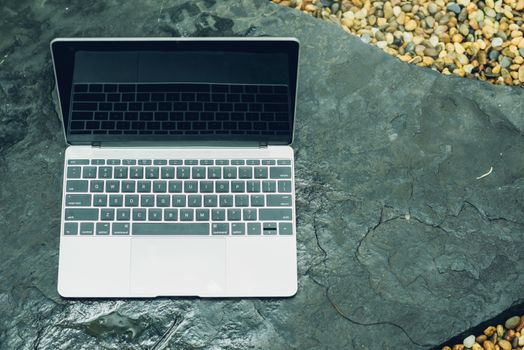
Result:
[{"x": 178, "y": 174}]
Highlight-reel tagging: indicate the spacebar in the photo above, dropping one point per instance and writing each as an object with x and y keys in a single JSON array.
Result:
[{"x": 170, "y": 229}]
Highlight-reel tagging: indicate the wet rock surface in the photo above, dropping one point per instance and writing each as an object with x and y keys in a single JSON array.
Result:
[{"x": 399, "y": 244}]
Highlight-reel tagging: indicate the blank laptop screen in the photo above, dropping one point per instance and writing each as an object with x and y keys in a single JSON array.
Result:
[{"x": 169, "y": 91}]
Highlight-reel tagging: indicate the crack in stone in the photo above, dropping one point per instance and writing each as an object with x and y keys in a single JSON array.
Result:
[{"x": 164, "y": 339}]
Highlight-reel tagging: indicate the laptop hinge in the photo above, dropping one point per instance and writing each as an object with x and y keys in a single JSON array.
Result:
[
  {"x": 96, "y": 144},
  {"x": 262, "y": 144}
]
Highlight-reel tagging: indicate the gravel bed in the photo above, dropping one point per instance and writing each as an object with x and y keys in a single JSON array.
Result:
[
  {"x": 509, "y": 336},
  {"x": 480, "y": 39}
]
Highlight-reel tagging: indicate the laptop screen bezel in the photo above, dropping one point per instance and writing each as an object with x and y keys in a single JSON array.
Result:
[{"x": 63, "y": 52}]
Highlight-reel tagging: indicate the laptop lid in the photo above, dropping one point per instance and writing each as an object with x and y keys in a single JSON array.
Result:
[{"x": 177, "y": 90}]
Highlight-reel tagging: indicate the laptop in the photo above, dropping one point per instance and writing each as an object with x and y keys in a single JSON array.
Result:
[{"x": 178, "y": 173}]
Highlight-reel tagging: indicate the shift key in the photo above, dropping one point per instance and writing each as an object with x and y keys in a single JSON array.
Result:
[
  {"x": 274, "y": 214},
  {"x": 81, "y": 214},
  {"x": 278, "y": 200}
]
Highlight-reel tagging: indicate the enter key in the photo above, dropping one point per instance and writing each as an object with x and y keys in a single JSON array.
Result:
[{"x": 278, "y": 200}]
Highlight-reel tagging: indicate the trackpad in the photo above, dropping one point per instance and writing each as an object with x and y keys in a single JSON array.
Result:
[{"x": 178, "y": 266}]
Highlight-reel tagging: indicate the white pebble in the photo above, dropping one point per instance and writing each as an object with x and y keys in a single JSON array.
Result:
[
  {"x": 433, "y": 40},
  {"x": 382, "y": 44},
  {"x": 496, "y": 42},
  {"x": 469, "y": 341},
  {"x": 397, "y": 10},
  {"x": 407, "y": 37},
  {"x": 365, "y": 38}
]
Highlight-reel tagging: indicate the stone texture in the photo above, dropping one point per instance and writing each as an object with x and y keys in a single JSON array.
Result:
[{"x": 399, "y": 245}]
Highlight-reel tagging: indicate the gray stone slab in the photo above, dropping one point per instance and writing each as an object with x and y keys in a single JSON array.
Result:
[{"x": 399, "y": 244}]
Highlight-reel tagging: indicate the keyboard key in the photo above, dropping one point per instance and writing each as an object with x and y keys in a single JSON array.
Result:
[
  {"x": 275, "y": 214},
  {"x": 252, "y": 162},
  {"x": 257, "y": 201},
  {"x": 136, "y": 172},
  {"x": 253, "y": 228},
  {"x": 98, "y": 161},
  {"x": 128, "y": 186},
  {"x": 144, "y": 186},
  {"x": 238, "y": 186},
  {"x": 249, "y": 214},
  {"x": 199, "y": 173},
  {"x": 186, "y": 214},
  {"x": 175, "y": 162},
  {"x": 175, "y": 186},
  {"x": 202, "y": 214},
  {"x": 152, "y": 172},
  {"x": 222, "y": 186},
  {"x": 112, "y": 186},
  {"x": 269, "y": 228},
  {"x": 260, "y": 172},
  {"x": 163, "y": 201},
  {"x": 89, "y": 172},
  {"x": 154, "y": 214},
  {"x": 87, "y": 228},
  {"x": 206, "y": 186},
  {"x": 100, "y": 200},
  {"x": 105, "y": 172},
  {"x": 285, "y": 228},
  {"x": 78, "y": 161},
  {"x": 102, "y": 228},
  {"x": 206, "y": 162},
  {"x": 107, "y": 214},
  {"x": 129, "y": 162},
  {"x": 171, "y": 214},
  {"x": 131, "y": 200},
  {"x": 159, "y": 186},
  {"x": 73, "y": 172},
  {"x": 74, "y": 214},
  {"x": 147, "y": 200},
  {"x": 113, "y": 162},
  {"x": 268, "y": 162},
  {"x": 218, "y": 214},
  {"x": 220, "y": 229},
  {"x": 120, "y": 229},
  {"x": 144, "y": 162},
  {"x": 76, "y": 186},
  {"x": 245, "y": 173},
  {"x": 167, "y": 172},
  {"x": 283, "y": 162},
  {"x": 284, "y": 186},
  {"x": 253, "y": 186},
  {"x": 280, "y": 172},
  {"x": 120, "y": 172},
  {"x": 226, "y": 201},
  {"x": 139, "y": 214},
  {"x": 238, "y": 228},
  {"x": 78, "y": 200},
  {"x": 70, "y": 228},
  {"x": 115, "y": 200},
  {"x": 194, "y": 200},
  {"x": 123, "y": 214},
  {"x": 96, "y": 186},
  {"x": 183, "y": 172},
  {"x": 241, "y": 200},
  {"x": 278, "y": 200},
  {"x": 171, "y": 229},
  {"x": 210, "y": 200},
  {"x": 234, "y": 214},
  {"x": 269, "y": 186},
  {"x": 230, "y": 173},
  {"x": 179, "y": 200},
  {"x": 190, "y": 187},
  {"x": 222, "y": 162},
  {"x": 214, "y": 173}
]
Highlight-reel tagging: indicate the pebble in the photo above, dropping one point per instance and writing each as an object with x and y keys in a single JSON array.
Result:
[
  {"x": 505, "y": 63},
  {"x": 497, "y": 42},
  {"x": 513, "y": 322},
  {"x": 469, "y": 341},
  {"x": 504, "y": 344},
  {"x": 483, "y": 39},
  {"x": 453, "y": 7}
]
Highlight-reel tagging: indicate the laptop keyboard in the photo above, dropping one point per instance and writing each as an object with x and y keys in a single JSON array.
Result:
[
  {"x": 200, "y": 109},
  {"x": 178, "y": 197}
]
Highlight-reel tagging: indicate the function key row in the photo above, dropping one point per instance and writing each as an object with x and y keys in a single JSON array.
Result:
[
  {"x": 179, "y": 162},
  {"x": 173, "y": 87}
]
